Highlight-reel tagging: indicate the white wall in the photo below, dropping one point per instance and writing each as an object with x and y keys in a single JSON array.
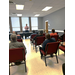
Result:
[
  {"x": 40, "y": 22},
  {"x": 55, "y": 19}
]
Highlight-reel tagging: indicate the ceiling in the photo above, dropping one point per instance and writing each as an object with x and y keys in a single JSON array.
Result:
[{"x": 32, "y": 7}]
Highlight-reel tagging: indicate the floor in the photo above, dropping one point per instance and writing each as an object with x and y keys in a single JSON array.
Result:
[{"x": 36, "y": 66}]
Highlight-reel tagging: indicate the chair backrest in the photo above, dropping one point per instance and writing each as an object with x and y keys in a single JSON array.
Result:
[
  {"x": 39, "y": 40},
  {"x": 16, "y": 54},
  {"x": 55, "y": 36},
  {"x": 43, "y": 34},
  {"x": 52, "y": 47},
  {"x": 32, "y": 36},
  {"x": 19, "y": 40}
]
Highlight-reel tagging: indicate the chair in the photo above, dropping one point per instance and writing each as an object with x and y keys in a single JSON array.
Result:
[
  {"x": 63, "y": 39},
  {"x": 55, "y": 36},
  {"x": 51, "y": 48},
  {"x": 43, "y": 34},
  {"x": 32, "y": 36},
  {"x": 19, "y": 40},
  {"x": 17, "y": 55},
  {"x": 61, "y": 48},
  {"x": 39, "y": 40}
]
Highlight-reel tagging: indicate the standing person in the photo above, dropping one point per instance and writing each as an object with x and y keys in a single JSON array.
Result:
[{"x": 26, "y": 28}]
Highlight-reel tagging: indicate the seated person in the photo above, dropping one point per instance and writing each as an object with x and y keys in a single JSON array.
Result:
[
  {"x": 48, "y": 40},
  {"x": 53, "y": 32},
  {"x": 12, "y": 33},
  {"x": 39, "y": 34},
  {"x": 15, "y": 44},
  {"x": 32, "y": 33},
  {"x": 61, "y": 37},
  {"x": 18, "y": 35}
]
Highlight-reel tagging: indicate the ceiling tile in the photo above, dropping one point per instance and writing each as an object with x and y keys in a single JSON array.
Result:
[{"x": 30, "y": 7}]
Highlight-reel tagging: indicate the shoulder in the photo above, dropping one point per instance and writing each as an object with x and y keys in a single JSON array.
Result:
[
  {"x": 37, "y": 35},
  {"x": 53, "y": 39},
  {"x": 55, "y": 33},
  {"x": 19, "y": 42},
  {"x": 51, "y": 33},
  {"x": 46, "y": 41},
  {"x": 33, "y": 33}
]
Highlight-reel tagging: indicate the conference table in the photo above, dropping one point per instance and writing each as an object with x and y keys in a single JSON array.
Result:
[{"x": 26, "y": 34}]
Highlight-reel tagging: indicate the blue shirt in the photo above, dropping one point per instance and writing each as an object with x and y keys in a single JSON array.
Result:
[{"x": 47, "y": 41}]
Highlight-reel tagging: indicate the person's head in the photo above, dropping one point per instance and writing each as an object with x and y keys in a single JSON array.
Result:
[
  {"x": 13, "y": 32},
  {"x": 13, "y": 37},
  {"x": 53, "y": 30},
  {"x": 33, "y": 31},
  {"x": 64, "y": 30},
  {"x": 47, "y": 36},
  {"x": 41, "y": 33},
  {"x": 26, "y": 24}
]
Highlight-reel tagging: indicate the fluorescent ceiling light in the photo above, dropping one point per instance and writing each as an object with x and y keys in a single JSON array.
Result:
[
  {"x": 37, "y": 14},
  {"x": 46, "y": 8},
  {"x": 19, "y": 14},
  {"x": 19, "y": 7}
]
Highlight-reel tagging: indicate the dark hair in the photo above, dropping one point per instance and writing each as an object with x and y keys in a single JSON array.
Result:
[
  {"x": 33, "y": 31},
  {"x": 41, "y": 32},
  {"x": 47, "y": 36},
  {"x": 64, "y": 30},
  {"x": 53, "y": 30}
]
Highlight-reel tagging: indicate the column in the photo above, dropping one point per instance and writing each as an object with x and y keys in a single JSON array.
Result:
[
  {"x": 20, "y": 24},
  {"x": 46, "y": 26},
  {"x": 10, "y": 24},
  {"x": 30, "y": 24}
]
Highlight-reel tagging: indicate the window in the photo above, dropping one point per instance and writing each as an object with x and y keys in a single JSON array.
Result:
[
  {"x": 15, "y": 23},
  {"x": 34, "y": 23},
  {"x": 25, "y": 20}
]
